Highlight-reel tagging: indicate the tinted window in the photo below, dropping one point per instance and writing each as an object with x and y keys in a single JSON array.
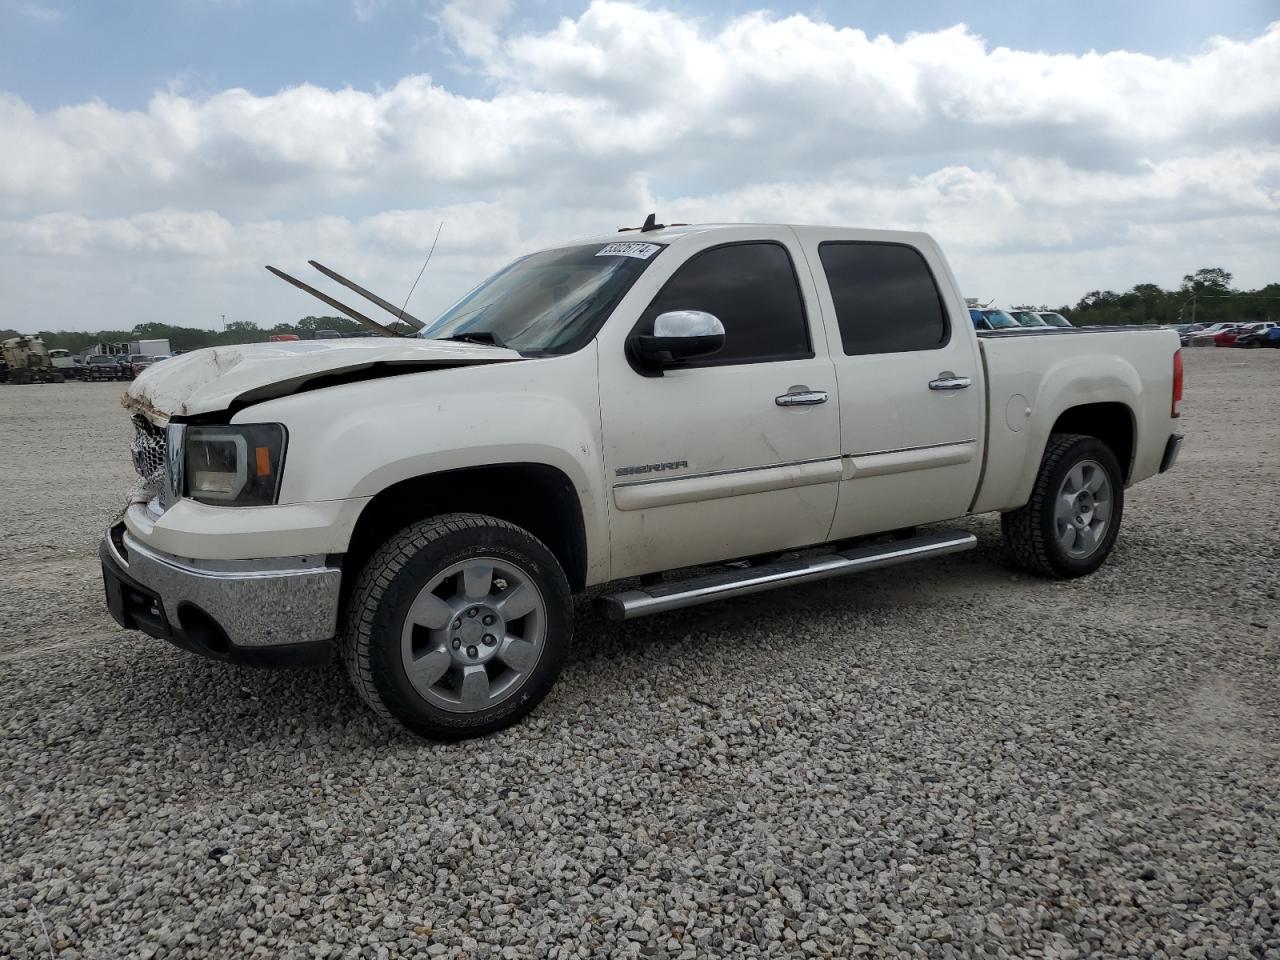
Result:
[
  {"x": 752, "y": 288},
  {"x": 885, "y": 298}
]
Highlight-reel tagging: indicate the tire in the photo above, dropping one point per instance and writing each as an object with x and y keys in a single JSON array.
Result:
[
  {"x": 1061, "y": 532},
  {"x": 409, "y": 618}
]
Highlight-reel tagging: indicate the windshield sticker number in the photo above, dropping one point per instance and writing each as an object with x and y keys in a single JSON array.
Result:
[{"x": 641, "y": 251}]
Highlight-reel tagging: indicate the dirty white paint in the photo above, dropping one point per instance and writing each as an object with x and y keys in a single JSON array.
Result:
[{"x": 208, "y": 380}]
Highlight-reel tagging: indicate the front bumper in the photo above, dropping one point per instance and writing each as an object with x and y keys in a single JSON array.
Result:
[{"x": 258, "y": 612}]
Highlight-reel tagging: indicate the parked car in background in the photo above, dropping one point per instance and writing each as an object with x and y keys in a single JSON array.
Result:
[
  {"x": 1253, "y": 334},
  {"x": 101, "y": 366},
  {"x": 143, "y": 362},
  {"x": 1227, "y": 337},
  {"x": 127, "y": 361},
  {"x": 69, "y": 365},
  {"x": 1272, "y": 338},
  {"x": 1204, "y": 338},
  {"x": 1055, "y": 319},
  {"x": 1028, "y": 318},
  {"x": 1186, "y": 331},
  {"x": 988, "y": 319}
]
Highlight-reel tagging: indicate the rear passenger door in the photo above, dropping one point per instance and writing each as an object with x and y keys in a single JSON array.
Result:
[
  {"x": 912, "y": 404},
  {"x": 737, "y": 453}
]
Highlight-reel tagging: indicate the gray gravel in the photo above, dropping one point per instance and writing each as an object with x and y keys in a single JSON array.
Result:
[{"x": 946, "y": 759}]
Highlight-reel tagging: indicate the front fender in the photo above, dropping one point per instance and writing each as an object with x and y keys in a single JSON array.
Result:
[{"x": 355, "y": 440}]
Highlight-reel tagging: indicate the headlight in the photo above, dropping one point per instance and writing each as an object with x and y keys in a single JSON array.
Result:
[{"x": 234, "y": 465}]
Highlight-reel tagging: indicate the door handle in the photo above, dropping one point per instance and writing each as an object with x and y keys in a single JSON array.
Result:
[
  {"x": 949, "y": 381},
  {"x": 801, "y": 398}
]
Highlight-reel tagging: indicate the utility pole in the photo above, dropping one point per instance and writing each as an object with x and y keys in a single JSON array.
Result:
[{"x": 224, "y": 318}]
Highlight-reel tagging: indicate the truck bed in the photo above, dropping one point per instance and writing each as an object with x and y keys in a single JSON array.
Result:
[{"x": 1031, "y": 373}]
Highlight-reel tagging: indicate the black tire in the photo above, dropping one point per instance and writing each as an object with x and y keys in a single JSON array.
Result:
[
  {"x": 385, "y": 589},
  {"x": 1029, "y": 532}
]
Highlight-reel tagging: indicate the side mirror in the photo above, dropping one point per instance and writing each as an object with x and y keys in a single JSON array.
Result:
[{"x": 680, "y": 335}]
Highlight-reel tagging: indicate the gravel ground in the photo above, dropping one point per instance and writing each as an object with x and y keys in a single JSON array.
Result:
[{"x": 945, "y": 759}]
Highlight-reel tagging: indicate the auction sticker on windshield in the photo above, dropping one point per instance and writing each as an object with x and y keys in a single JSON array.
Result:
[{"x": 641, "y": 251}]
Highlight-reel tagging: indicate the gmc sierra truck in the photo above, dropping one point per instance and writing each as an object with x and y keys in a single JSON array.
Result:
[{"x": 682, "y": 415}]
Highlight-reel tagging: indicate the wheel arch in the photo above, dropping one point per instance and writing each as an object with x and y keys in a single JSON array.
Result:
[
  {"x": 1112, "y": 422},
  {"x": 535, "y": 496}
]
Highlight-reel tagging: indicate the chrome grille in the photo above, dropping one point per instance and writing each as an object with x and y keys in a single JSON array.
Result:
[{"x": 149, "y": 458}]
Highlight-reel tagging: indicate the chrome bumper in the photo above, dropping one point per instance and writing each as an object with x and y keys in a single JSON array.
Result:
[{"x": 222, "y": 608}]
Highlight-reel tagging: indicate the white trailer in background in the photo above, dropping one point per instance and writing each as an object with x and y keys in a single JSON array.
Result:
[{"x": 150, "y": 348}]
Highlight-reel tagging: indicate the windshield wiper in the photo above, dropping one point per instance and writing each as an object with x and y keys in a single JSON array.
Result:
[{"x": 487, "y": 337}]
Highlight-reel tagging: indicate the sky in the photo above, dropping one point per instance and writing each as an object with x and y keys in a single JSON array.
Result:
[{"x": 157, "y": 154}]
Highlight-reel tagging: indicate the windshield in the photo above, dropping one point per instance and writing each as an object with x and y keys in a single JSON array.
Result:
[
  {"x": 1028, "y": 319},
  {"x": 1055, "y": 319},
  {"x": 999, "y": 320},
  {"x": 548, "y": 302}
]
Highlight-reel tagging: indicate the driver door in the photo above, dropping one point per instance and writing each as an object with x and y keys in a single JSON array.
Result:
[{"x": 734, "y": 454}]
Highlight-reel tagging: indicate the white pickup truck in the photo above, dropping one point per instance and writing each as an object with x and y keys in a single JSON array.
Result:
[{"x": 702, "y": 412}]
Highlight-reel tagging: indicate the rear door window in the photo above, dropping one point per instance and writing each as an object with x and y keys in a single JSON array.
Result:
[
  {"x": 885, "y": 298},
  {"x": 752, "y": 289}
]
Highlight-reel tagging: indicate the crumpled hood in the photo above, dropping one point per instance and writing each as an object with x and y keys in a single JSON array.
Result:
[{"x": 212, "y": 379}]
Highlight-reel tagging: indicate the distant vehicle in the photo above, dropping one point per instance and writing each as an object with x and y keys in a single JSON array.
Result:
[
  {"x": 149, "y": 348},
  {"x": 283, "y": 338},
  {"x": 64, "y": 361},
  {"x": 1186, "y": 331},
  {"x": 992, "y": 319},
  {"x": 1272, "y": 338},
  {"x": 1227, "y": 337},
  {"x": 27, "y": 359},
  {"x": 102, "y": 366},
  {"x": 1204, "y": 337},
  {"x": 127, "y": 364},
  {"x": 141, "y": 364},
  {"x": 1054, "y": 319},
  {"x": 1252, "y": 334},
  {"x": 1028, "y": 318}
]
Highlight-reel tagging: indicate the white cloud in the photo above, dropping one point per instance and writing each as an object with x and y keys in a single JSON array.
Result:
[
  {"x": 34, "y": 10},
  {"x": 472, "y": 25},
  {"x": 1062, "y": 165}
]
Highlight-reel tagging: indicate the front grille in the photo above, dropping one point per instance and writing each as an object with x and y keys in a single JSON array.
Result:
[{"x": 149, "y": 458}]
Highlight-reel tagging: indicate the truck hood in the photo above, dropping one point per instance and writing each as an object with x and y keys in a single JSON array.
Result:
[{"x": 217, "y": 378}]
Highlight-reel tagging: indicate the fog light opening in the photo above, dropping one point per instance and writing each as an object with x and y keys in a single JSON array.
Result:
[{"x": 203, "y": 630}]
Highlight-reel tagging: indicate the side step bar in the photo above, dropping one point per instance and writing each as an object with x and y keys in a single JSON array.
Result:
[{"x": 739, "y": 582}]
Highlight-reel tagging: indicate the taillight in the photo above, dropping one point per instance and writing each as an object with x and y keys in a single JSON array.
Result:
[{"x": 1175, "y": 410}]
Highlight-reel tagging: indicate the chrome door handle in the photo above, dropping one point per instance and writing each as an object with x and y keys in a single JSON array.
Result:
[
  {"x": 949, "y": 381},
  {"x": 801, "y": 398}
]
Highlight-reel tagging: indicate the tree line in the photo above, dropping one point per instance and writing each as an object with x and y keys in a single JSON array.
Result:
[
  {"x": 189, "y": 338},
  {"x": 1205, "y": 296}
]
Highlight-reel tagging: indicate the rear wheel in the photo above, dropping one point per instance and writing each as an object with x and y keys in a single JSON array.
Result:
[
  {"x": 1069, "y": 525},
  {"x": 458, "y": 626}
]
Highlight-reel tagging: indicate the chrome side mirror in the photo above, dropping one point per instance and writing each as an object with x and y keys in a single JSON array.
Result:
[{"x": 680, "y": 335}]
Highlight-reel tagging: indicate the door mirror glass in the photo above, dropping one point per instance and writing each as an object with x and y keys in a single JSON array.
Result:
[{"x": 680, "y": 335}]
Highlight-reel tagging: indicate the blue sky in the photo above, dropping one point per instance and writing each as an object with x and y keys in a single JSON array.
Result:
[
  {"x": 56, "y": 52},
  {"x": 157, "y": 155}
]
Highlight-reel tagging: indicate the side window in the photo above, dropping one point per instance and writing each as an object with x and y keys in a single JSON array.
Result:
[
  {"x": 752, "y": 289},
  {"x": 885, "y": 298}
]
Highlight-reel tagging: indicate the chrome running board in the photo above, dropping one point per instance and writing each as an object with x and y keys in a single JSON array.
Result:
[{"x": 738, "y": 582}]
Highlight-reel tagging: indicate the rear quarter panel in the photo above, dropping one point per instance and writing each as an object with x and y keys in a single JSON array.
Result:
[{"x": 1032, "y": 379}]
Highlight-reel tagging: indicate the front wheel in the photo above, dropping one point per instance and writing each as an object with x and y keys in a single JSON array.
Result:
[
  {"x": 457, "y": 626},
  {"x": 1069, "y": 525}
]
